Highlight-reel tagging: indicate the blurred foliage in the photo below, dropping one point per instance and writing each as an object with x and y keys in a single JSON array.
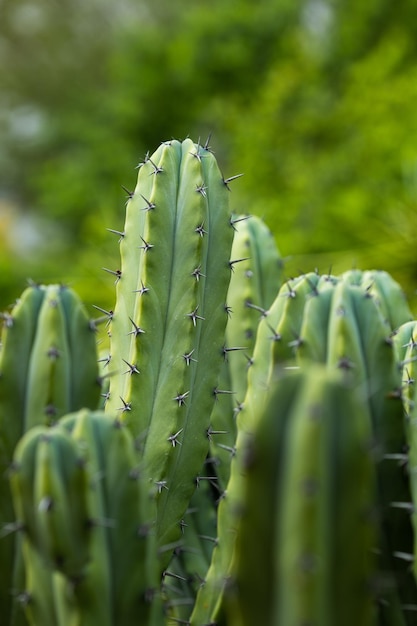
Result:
[{"x": 314, "y": 100}]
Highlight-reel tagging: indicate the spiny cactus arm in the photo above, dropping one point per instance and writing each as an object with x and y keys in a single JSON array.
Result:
[
  {"x": 404, "y": 338},
  {"x": 63, "y": 370},
  {"x": 344, "y": 347},
  {"x": 123, "y": 565},
  {"x": 311, "y": 440},
  {"x": 278, "y": 338},
  {"x": 166, "y": 382},
  {"x": 389, "y": 294},
  {"x": 48, "y": 392},
  {"x": 19, "y": 327},
  {"x": 253, "y": 286},
  {"x": 85, "y": 384},
  {"x": 206, "y": 339},
  {"x": 38, "y": 588}
]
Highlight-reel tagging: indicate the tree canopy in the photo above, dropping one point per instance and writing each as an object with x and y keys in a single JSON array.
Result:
[{"x": 313, "y": 100}]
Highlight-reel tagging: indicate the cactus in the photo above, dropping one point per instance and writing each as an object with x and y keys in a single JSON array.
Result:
[
  {"x": 87, "y": 515},
  {"x": 328, "y": 320},
  {"x": 48, "y": 367},
  {"x": 309, "y": 490},
  {"x": 253, "y": 287},
  {"x": 142, "y": 506},
  {"x": 167, "y": 330},
  {"x": 388, "y": 293}
]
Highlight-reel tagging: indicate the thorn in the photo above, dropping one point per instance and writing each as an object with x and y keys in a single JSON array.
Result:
[
  {"x": 207, "y": 144},
  {"x": 130, "y": 194},
  {"x": 53, "y": 353},
  {"x": 249, "y": 361},
  {"x": 226, "y": 181},
  {"x": 126, "y": 406},
  {"x": 194, "y": 317},
  {"x": 12, "y": 527},
  {"x": 208, "y": 538},
  {"x": 197, "y": 274},
  {"x": 406, "y": 506},
  {"x": 296, "y": 343},
  {"x": 261, "y": 310},
  {"x": 146, "y": 246},
  {"x": 197, "y": 154},
  {"x": 174, "y": 438},
  {"x": 188, "y": 357},
  {"x": 149, "y": 205},
  {"x": 237, "y": 220},
  {"x": 225, "y": 350},
  {"x": 108, "y": 314},
  {"x": 230, "y": 449},
  {"x": 290, "y": 293},
  {"x": 200, "y": 478},
  {"x": 156, "y": 169},
  {"x": 136, "y": 329},
  {"x": 218, "y": 392},
  {"x": 117, "y": 232},
  {"x": 161, "y": 484},
  {"x": 106, "y": 360},
  {"x": 181, "y": 397},
  {"x": 8, "y": 320},
  {"x": 202, "y": 189},
  {"x": 106, "y": 396},
  {"x": 172, "y": 575},
  {"x": 117, "y": 273},
  {"x": 405, "y": 556},
  {"x": 211, "y": 432},
  {"x": 132, "y": 368},
  {"x": 275, "y": 336},
  {"x": 142, "y": 290},
  {"x": 232, "y": 263},
  {"x": 200, "y": 230},
  {"x": 142, "y": 163},
  {"x": 238, "y": 408},
  {"x": 228, "y": 310}
]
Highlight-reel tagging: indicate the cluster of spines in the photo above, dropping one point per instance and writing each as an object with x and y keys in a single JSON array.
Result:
[{"x": 167, "y": 328}]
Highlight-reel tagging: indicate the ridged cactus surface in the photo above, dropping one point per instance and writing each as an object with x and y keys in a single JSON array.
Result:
[
  {"x": 167, "y": 330},
  {"x": 48, "y": 367},
  {"x": 304, "y": 549},
  {"x": 88, "y": 520}
]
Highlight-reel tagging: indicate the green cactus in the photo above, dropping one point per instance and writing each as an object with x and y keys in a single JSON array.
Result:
[
  {"x": 304, "y": 549},
  {"x": 48, "y": 367},
  {"x": 388, "y": 293},
  {"x": 88, "y": 516},
  {"x": 253, "y": 286},
  {"x": 167, "y": 330},
  {"x": 328, "y": 320},
  {"x": 174, "y": 496}
]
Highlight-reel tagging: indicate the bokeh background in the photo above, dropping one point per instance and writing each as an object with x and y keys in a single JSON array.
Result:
[{"x": 314, "y": 101}]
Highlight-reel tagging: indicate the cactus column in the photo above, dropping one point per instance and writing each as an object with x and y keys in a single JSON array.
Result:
[{"x": 167, "y": 329}]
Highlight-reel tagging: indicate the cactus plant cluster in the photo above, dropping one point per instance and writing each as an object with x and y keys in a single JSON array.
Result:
[{"x": 244, "y": 451}]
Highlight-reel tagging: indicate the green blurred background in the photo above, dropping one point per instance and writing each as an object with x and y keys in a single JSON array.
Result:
[{"x": 315, "y": 101}]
